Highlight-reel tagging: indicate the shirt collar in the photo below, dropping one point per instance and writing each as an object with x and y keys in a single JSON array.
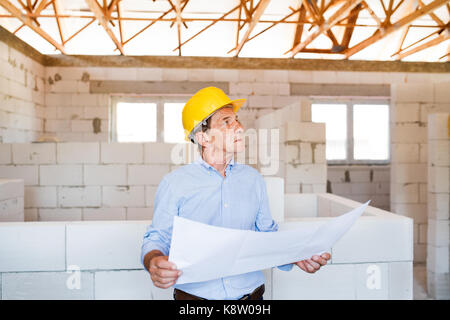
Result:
[{"x": 205, "y": 164}]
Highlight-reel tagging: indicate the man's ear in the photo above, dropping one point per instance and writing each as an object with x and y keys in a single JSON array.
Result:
[{"x": 202, "y": 138}]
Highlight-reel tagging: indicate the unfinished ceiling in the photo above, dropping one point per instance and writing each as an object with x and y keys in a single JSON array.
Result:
[{"x": 408, "y": 30}]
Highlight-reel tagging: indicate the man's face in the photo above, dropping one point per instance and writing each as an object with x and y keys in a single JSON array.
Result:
[{"x": 226, "y": 132}]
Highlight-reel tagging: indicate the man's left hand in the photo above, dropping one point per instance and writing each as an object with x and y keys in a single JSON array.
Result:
[{"x": 314, "y": 264}]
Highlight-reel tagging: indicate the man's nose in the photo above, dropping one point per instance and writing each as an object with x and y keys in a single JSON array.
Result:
[{"x": 239, "y": 127}]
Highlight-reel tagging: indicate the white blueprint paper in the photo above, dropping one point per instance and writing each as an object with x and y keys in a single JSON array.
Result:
[{"x": 205, "y": 252}]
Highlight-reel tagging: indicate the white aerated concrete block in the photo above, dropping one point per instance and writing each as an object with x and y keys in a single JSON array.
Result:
[
  {"x": 12, "y": 210},
  {"x": 60, "y": 214},
  {"x": 123, "y": 196},
  {"x": 79, "y": 196},
  {"x": 297, "y": 205},
  {"x": 5, "y": 153},
  {"x": 78, "y": 152},
  {"x": 158, "y": 153},
  {"x": 123, "y": 285},
  {"x": 333, "y": 282},
  {"x": 147, "y": 174},
  {"x": 437, "y": 126},
  {"x": 439, "y": 179},
  {"x": 401, "y": 280},
  {"x": 372, "y": 281},
  {"x": 29, "y": 174},
  {"x": 122, "y": 152},
  {"x": 119, "y": 246},
  {"x": 65, "y": 175},
  {"x": 140, "y": 213},
  {"x": 104, "y": 214},
  {"x": 48, "y": 286},
  {"x": 105, "y": 175},
  {"x": 363, "y": 243},
  {"x": 411, "y": 172},
  {"x": 36, "y": 197},
  {"x": 11, "y": 188},
  {"x": 305, "y": 131},
  {"x": 32, "y": 246}
]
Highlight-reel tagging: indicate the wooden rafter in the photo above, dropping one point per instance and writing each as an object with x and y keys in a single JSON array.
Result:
[
  {"x": 444, "y": 36},
  {"x": 100, "y": 16},
  {"x": 405, "y": 21},
  {"x": 178, "y": 13},
  {"x": 259, "y": 10},
  {"x": 432, "y": 15},
  {"x": 351, "y": 21},
  {"x": 326, "y": 25},
  {"x": 299, "y": 28},
  {"x": 315, "y": 13},
  {"x": 26, "y": 20},
  {"x": 57, "y": 9}
]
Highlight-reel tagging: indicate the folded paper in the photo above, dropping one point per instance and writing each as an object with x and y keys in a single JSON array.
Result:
[{"x": 205, "y": 252}]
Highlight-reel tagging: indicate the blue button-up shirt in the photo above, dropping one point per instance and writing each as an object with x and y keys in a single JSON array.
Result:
[{"x": 198, "y": 192}]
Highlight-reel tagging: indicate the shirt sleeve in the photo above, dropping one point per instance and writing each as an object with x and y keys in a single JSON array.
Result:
[
  {"x": 159, "y": 233},
  {"x": 264, "y": 221}
]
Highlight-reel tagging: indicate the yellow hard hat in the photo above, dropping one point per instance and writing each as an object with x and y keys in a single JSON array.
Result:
[{"x": 202, "y": 104}]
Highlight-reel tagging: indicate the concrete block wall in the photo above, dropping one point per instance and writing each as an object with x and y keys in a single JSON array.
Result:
[
  {"x": 374, "y": 260},
  {"x": 87, "y": 181},
  {"x": 68, "y": 260},
  {"x": 11, "y": 200},
  {"x": 438, "y": 235},
  {"x": 22, "y": 96},
  {"x": 410, "y": 105},
  {"x": 361, "y": 183},
  {"x": 301, "y": 144}
]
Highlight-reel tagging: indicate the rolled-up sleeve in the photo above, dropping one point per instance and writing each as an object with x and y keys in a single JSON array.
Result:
[
  {"x": 264, "y": 221},
  {"x": 159, "y": 233}
]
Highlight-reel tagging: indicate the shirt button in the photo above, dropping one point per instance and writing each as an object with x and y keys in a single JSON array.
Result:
[{"x": 226, "y": 205}]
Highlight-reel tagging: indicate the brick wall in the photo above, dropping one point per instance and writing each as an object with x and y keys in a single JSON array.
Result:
[
  {"x": 87, "y": 181},
  {"x": 438, "y": 232},
  {"x": 22, "y": 95},
  {"x": 361, "y": 183},
  {"x": 411, "y": 103}
]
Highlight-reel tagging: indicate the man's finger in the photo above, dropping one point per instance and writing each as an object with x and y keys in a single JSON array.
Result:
[
  {"x": 302, "y": 266},
  {"x": 319, "y": 260},
  {"x": 326, "y": 255},
  {"x": 162, "y": 285},
  {"x": 164, "y": 264},
  {"x": 164, "y": 273},
  {"x": 313, "y": 264},
  {"x": 165, "y": 280}
]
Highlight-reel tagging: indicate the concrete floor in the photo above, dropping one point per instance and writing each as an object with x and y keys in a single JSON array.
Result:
[{"x": 420, "y": 282}]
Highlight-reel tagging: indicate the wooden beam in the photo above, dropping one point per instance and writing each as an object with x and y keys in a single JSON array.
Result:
[
  {"x": 405, "y": 21},
  {"x": 29, "y": 23},
  {"x": 441, "y": 38},
  {"x": 349, "y": 30},
  {"x": 262, "y": 5},
  {"x": 61, "y": 25},
  {"x": 178, "y": 13},
  {"x": 314, "y": 12},
  {"x": 100, "y": 16},
  {"x": 372, "y": 14},
  {"x": 432, "y": 15},
  {"x": 299, "y": 28},
  {"x": 326, "y": 25},
  {"x": 42, "y": 5}
]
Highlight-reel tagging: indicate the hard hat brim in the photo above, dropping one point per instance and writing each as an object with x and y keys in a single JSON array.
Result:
[{"x": 236, "y": 103}]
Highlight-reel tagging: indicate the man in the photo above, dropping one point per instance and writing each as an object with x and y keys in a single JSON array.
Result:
[{"x": 214, "y": 190}]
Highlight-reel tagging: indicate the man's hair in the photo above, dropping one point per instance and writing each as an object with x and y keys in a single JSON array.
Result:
[{"x": 204, "y": 126}]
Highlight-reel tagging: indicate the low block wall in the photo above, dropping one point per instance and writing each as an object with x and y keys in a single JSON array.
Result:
[{"x": 45, "y": 260}]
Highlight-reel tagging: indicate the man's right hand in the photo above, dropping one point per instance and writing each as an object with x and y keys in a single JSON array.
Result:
[{"x": 164, "y": 274}]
